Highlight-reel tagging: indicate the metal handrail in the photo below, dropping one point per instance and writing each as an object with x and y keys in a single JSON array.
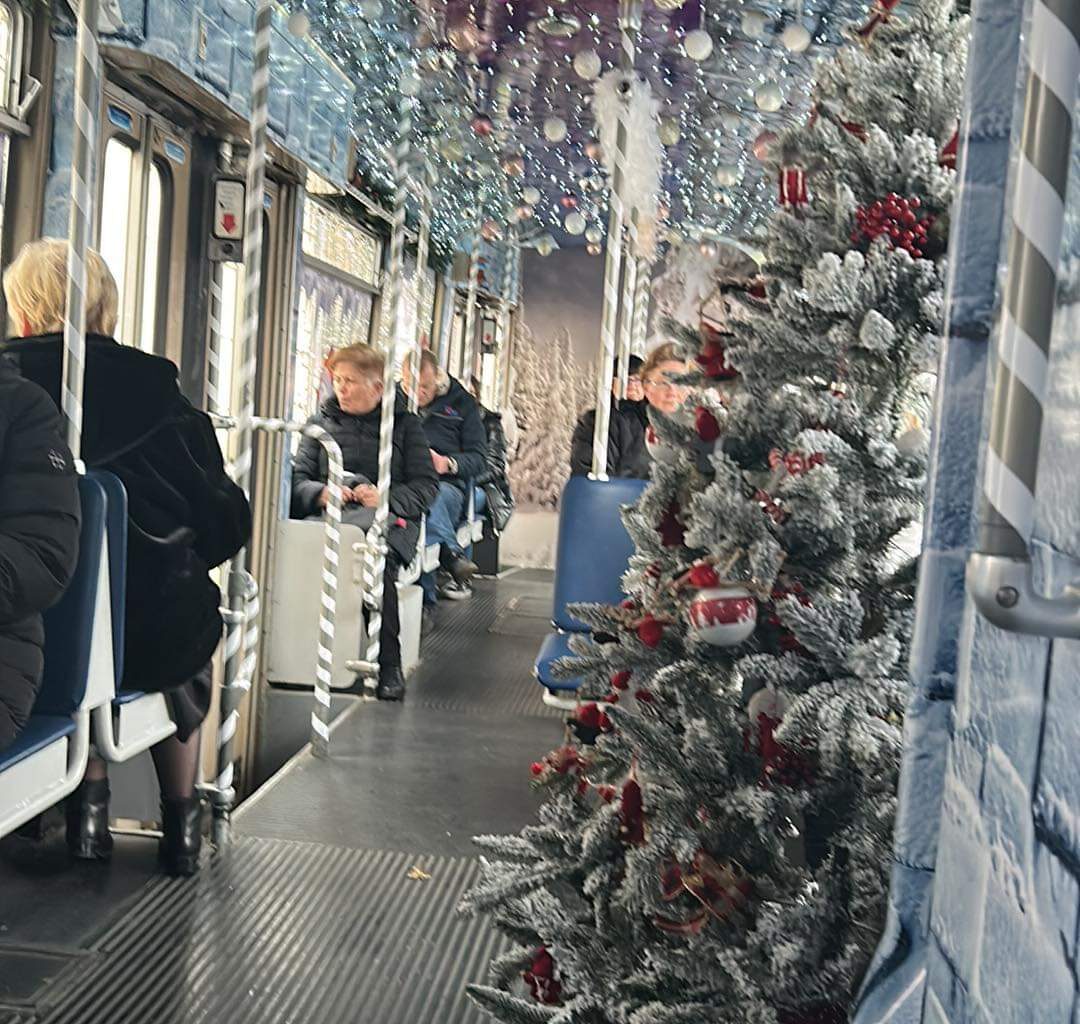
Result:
[{"x": 999, "y": 572}]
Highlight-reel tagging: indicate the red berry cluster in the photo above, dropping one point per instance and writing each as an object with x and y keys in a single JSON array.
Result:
[
  {"x": 896, "y": 217},
  {"x": 795, "y": 463},
  {"x": 770, "y": 506}
]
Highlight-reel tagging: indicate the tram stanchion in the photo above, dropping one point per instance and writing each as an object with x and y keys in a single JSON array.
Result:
[
  {"x": 423, "y": 235},
  {"x": 1000, "y": 575},
  {"x": 629, "y": 23},
  {"x": 80, "y": 221}
]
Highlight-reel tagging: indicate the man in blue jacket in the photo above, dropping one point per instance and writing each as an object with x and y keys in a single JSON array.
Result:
[{"x": 458, "y": 441}]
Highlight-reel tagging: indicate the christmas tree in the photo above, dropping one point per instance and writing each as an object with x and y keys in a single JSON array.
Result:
[{"x": 714, "y": 846}]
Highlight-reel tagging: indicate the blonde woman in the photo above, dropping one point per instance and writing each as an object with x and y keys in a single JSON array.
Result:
[{"x": 184, "y": 517}]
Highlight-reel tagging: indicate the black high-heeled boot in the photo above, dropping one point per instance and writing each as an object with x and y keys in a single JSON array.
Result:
[
  {"x": 181, "y": 841},
  {"x": 87, "y": 814}
]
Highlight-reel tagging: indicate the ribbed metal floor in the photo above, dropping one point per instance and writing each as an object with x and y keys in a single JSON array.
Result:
[
  {"x": 336, "y": 902},
  {"x": 289, "y": 933}
]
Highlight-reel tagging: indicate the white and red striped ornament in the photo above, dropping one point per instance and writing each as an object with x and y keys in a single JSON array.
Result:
[
  {"x": 723, "y": 616},
  {"x": 793, "y": 187}
]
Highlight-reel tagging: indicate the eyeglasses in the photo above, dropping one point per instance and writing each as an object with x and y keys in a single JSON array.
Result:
[{"x": 663, "y": 384}]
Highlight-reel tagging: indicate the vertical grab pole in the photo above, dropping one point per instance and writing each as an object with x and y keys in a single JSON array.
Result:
[
  {"x": 375, "y": 554},
  {"x": 241, "y": 584},
  {"x": 467, "y": 353},
  {"x": 87, "y": 103},
  {"x": 641, "y": 306},
  {"x": 629, "y": 311},
  {"x": 422, "y": 238},
  {"x": 1000, "y": 571},
  {"x": 629, "y": 23},
  {"x": 509, "y": 275}
]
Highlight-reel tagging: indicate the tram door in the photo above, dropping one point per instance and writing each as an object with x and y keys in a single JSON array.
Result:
[{"x": 144, "y": 181}]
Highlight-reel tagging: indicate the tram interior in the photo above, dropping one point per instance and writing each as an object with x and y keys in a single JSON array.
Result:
[{"x": 474, "y": 223}]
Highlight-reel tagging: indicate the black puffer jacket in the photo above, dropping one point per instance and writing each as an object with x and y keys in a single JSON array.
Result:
[
  {"x": 185, "y": 516},
  {"x": 39, "y": 539},
  {"x": 494, "y": 481},
  {"x": 413, "y": 480},
  {"x": 627, "y": 454},
  {"x": 454, "y": 428}
]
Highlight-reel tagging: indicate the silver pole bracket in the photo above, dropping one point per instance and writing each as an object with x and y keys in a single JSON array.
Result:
[{"x": 1002, "y": 590}]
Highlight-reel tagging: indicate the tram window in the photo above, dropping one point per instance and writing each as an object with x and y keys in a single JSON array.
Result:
[
  {"x": 155, "y": 224},
  {"x": 115, "y": 211}
]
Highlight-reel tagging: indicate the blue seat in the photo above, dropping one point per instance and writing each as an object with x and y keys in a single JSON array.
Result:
[
  {"x": 593, "y": 552},
  {"x": 131, "y": 721},
  {"x": 47, "y": 760}
]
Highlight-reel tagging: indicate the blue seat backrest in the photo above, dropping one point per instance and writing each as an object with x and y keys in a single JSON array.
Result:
[
  {"x": 594, "y": 547},
  {"x": 116, "y": 530},
  {"x": 69, "y": 624}
]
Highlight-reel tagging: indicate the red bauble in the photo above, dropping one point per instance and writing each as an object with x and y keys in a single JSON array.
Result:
[
  {"x": 705, "y": 424},
  {"x": 540, "y": 977},
  {"x": 606, "y": 793},
  {"x": 703, "y": 575},
  {"x": 882, "y": 11},
  {"x": 621, "y": 680},
  {"x": 650, "y": 632},
  {"x": 949, "y": 153},
  {"x": 723, "y": 616},
  {"x": 645, "y": 697},
  {"x": 591, "y": 717},
  {"x": 482, "y": 126},
  {"x": 632, "y": 814},
  {"x": 538, "y": 768}
]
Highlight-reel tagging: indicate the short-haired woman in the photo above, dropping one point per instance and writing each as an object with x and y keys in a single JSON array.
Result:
[
  {"x": 352, "y": 416},
  {"x": 185, "y": 516},
  {"x": 659, "y": 375}
]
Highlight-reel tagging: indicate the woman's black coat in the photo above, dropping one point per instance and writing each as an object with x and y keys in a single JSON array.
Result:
[
  {"x": 627, "y": 454},
  {"x": 39, "y": 539},
  {"x": 185, "y": 516},
  {"x": 413, "y": 480},
  {"x": 494, "y": 481}
]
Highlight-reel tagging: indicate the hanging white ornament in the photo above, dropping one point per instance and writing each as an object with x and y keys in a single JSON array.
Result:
[
  {"x": 913, "y": 441},
  {"x": 723, "y": 616},
  {"x": 371, "y": 9},
  {"x": 731, "y": 121},
  {"x": 769, "y": 98},
  {"x": 594, "y": 235},
  {"x": 555, "y": 129},
  {"x": 588, "y": 65},
  {"x": 545, "y": 245},
  {"x": 698, "y": 45},
  {"x": 575, "y": 223},
  {"x": 670, "y": 132},
  {"x": 411, "y": 84},
  {"x": 727, "y": 175},
  {"x": 531, "y": 195},
  {"x": 796, "y": 38},
  {"x": 754, "y": 23},
  {"x": 299, "y": 23},
  {"x": 768, "y": 702}
]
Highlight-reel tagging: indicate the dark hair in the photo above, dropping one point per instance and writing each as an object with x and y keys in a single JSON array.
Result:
[{"x": 635, "y": 364}]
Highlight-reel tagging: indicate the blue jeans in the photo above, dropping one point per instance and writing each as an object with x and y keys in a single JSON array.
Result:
[
  {"x": 443, "y": 519},
  {"x": 479, "y": 501}
]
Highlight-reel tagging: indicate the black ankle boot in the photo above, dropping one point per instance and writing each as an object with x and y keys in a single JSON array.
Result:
[
  {"x": 391, "y": 683},
  {"x": 87, "y": 813},
  {"x": 181, "y": 825}
]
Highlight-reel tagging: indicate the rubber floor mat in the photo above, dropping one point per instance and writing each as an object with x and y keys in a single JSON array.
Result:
[{"x": 279, "y": 932}]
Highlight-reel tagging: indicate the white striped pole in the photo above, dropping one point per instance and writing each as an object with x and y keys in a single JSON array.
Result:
[
  {"x": 641, "y": 307},
  {"x": 468, "y": 354},
  {"x": 626, "y": 322},
  {"x": 1000, "y": 571},
  {"x": 422, "y": 238},
  {"x": 375, "y": 556},
  {"x": 629, "y": 21},
  {"x": 80, "y": 218},
  {"x": 505, "y": 300},
  {"x": 241, "y": 584}
]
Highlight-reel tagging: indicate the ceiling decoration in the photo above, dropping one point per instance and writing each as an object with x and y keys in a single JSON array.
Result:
[{"x": 503, "y": 103}]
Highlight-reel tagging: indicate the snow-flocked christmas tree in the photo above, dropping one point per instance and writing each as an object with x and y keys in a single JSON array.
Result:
[
  {"x": 549, "y": 390},
  {"x": 714, "y": 846}
]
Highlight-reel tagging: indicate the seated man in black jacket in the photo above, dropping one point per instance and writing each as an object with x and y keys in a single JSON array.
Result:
[
  {"x": 458, "y": 442},
  {"x": 627, "y": 454},
  {"x": 39, "y": 539},
  {"x": 352, "y": 416}
]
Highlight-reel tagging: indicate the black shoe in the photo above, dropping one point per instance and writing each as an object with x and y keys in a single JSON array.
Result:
[
  {"x": 454, "y": 591},
  {"x": 181, "y": 840},
  {"x": 87, "y": 814},
  {"x": 462, "y": 570},
  {"x": 391, "y": 684}
]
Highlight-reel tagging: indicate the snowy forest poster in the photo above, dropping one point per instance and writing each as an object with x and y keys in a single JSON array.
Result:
[{"x": 554, "y": 382}]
